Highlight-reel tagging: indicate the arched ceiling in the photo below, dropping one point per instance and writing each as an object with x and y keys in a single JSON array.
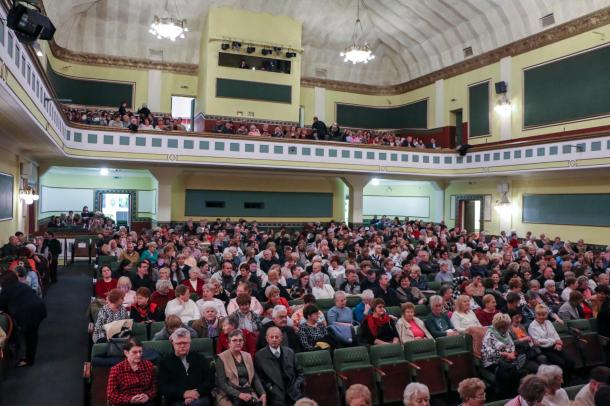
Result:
[{"x": 410, "y": 38}]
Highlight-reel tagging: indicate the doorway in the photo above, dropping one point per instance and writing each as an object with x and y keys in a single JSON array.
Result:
[
  {"x": 117, "y": 206},
  {"x": 471, "y": 215},
  {"x": 457, "y": 119}
]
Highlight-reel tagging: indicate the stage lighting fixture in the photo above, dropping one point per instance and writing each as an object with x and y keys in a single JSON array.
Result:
[
  {"x": 291, "y": 54},
  {"x": 224, "y": 46},
  {"x": 236, "y": 45},
  {"x": 250, "y": 49},
  {"x": 29, "y": 24},
  {"x": 266, "y": 52}
]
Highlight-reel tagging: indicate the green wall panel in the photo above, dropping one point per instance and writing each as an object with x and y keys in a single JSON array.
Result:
[
  {"x": 90, "y": 92},
  {"x": 568, "y": 89},
  {"x": 570, "y": 209},
  {"x": 478, "y": 108},
  {"x": 6, "y": 196},
  {"x": 413, "y": 115},
  {"x": 275, "y": 204},
  {"x": 243, "y": 89}
]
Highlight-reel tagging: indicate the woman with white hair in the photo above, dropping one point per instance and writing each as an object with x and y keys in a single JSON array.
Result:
[
  {"x": 416, "y": 394},
  {"x": 364, "y": 307},
  {"x": 555, "y": 395},
  {"x": 320, "y": 289}
]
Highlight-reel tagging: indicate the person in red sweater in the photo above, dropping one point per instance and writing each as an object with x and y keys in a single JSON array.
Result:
[
  {"x": 131, "y": 381},
  {"x": 163, "y": 294},
  {"x": 105, "y": 284},
  {"x": 486, "y": 313},
  {"x": 194, "y": 283},
  {"x": 229, "y": 325},
  {"x": 143, "y": 310}
]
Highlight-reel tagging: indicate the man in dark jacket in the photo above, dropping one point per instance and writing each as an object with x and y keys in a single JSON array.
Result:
[
  {"x": 26, "y": 308},
  {"x": 184, "y": 376},
  {"x": 278, "y": 371},
  {"x": 318, "y": 129},
  {"x": 279, "y": 319},
  {"x": 54, "y": 247}
]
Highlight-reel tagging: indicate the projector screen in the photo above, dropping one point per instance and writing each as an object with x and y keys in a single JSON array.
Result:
[
  {"x": 65, "y": 199},
  {"x": 409, "y": 206}
]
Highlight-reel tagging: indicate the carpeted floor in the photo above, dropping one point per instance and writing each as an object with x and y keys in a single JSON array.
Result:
[{"x": 56, "y": 378}]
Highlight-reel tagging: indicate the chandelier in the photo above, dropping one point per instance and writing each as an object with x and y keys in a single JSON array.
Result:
[
  {"x": 28, "y": 195},
  {"x": 168, "y": 27},
  {"x": 358, "y": 51}
]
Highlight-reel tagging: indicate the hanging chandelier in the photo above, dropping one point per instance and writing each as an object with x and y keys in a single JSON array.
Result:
[
  {"x": 28, "y": 195},
  {"x": 168, "y": 27},
  {"x": 358, "y": 51}
]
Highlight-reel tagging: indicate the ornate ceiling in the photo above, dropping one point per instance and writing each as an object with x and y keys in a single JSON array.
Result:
[{"x": 410, "y": 38}]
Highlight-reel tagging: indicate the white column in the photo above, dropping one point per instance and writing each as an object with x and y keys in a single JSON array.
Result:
[
  {"x": 505, "y": 75},
  {"x": 356, "y": 186},
  {"x": 166, "y": 177},
  {"x": 319, "y": 104},
  {"x": 154, "y": 90},
  {"x": 439, "y": 105},
  {"x": 438, "y": 199}
]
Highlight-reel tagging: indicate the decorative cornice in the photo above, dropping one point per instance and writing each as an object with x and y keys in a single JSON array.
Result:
[
  {"x": 566, "y": 30},
  {"x": 132, "y": 63}
]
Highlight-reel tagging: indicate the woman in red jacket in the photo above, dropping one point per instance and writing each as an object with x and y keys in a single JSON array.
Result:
[
  {"x": 194, "y": 283},
  {"x": 228, "y": 325}
]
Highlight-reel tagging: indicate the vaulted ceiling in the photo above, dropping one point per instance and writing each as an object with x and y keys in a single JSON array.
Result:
[{"x": 410, "y": 38}]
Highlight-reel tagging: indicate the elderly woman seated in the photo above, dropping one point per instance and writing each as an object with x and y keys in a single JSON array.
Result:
[
  {"x": 417, "y": 280},
  {"x": 245, "y": 317},
  {"x": 143, "y": 309},
  {"x": 416, "y": 394},
  {"x": 408, "y": 293},
  {"x": 438, "y": 323},
  {"x": 313, "y": 333},
  {"x": 378, "y": 327},
  {"x": 364, "y": 307},
  {"x": 113, "y": 310},
  {"x": 523, "y": 342},
  {"x": 409, "y": 327},
  {"x": 463, "y": 318},
  {"x": 531, "y": 392},
  {"x": 550, "y": 297},
  {"x": 321, "y": 290},
  {"x": 486, "y": 313},
  {"x": 500, "y": 357},
  {"x": 472, "y": 392},
  {"x": 194, "y": 283},
  {"x": 358, "y": 395},
  {"x": 272, "y": 293},
  {"x": 555, "y": 395},
  {"x": 341, "y": 320},
  {"x": 545, "y": 337},
  {"x": 124, "y": 285},
  {"x": 163, "y": 294},
  {"x": 208, "y": 325}
]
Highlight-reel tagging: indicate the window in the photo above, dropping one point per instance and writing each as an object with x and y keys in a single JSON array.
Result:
[
  {"x": 214, "y": 204},
  {"x": 254, "y": 205},
  {"x": 182, "y": 108}
]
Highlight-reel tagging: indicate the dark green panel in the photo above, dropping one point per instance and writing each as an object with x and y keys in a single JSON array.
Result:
[
  {"x": 478, "y": 109},
  {"x": 569, "y": 89},
  {"x": 414, "y": 115},
  {"x": 6, "y": 196},
  {"x": 571, "y": 209},
  {"x": 276, "y": 204},
  {"x": 90, "y": 92},
  {"x": 243, "y": 89}
]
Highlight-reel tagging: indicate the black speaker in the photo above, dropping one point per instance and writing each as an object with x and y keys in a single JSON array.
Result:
[
  {"x": 463, "y": 149},
  {"x": 501, "y": 87},
  {"x": 29, "y": 24}
]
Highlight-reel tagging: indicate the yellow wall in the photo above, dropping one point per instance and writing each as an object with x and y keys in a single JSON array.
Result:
[
  {"x": 171, "y": 83},
  {"x": 10, "y": 164},
  {"x": 260, "y": 181},
  {"x": 550, "y": 184},
  {"x": 224, "y": 24}
]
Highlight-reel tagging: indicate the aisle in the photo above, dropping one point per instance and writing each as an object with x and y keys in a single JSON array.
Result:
[{"x": 56, "y": 378}]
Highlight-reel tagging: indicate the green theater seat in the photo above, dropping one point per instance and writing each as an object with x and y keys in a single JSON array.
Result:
[
  {"x": 456, "y": 354},
  {"x": 319, "y": 373},
  {"x": 391, "y": 370},
  {"x": 353, "y": 366},
  {"x": 426, "y": 364}
]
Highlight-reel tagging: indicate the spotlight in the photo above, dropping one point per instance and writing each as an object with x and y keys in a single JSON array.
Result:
[
  {"x": 104, "y": 172},
  {"x": 291, "y": 54},
  {"x": 250, "y": 49},
  {"x": 29, "y": 24},
  {"x": 375, "y": 182},
  {"x": 224, "y": 46},
  {"x": 236, "y": 45},
  {"x": 277, "y": 50},
  {"x": 266, "y": 52}
]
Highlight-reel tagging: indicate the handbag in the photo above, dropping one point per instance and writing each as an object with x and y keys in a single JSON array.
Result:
[
  {"x": 516, "y": 364},
  {"x": 114, "y": 347}
]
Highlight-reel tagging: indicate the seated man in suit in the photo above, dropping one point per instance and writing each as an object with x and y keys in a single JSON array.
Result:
[
  {"x": 277, "y": 369},
  {"x": 279, "y": 319},
  {"x": 184, "y": 376}
]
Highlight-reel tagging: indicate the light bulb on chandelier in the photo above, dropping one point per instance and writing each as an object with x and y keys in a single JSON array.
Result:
[{"x": 359, "y": 51}]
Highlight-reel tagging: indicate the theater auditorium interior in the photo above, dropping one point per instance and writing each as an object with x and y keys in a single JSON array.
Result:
[{"x": 305, "y": 202}]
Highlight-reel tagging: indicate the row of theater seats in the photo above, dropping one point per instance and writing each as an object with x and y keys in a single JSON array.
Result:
[{"x": 440, "y": 364}]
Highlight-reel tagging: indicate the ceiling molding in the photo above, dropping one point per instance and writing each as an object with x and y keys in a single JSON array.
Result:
[
  {"x": 563, "y": 31},
  {"x": 132, "y": 63}
]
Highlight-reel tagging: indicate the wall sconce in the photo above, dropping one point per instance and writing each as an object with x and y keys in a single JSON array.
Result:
[
  {"x": 28, "y": 195},
  {"x": 503, "y": 106}
]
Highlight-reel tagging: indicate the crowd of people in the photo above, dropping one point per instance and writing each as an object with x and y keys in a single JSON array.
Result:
[
  {"x": 142, "y": 119},
  {"x": 253, "y": 291},
  {"x": 86, "y": 220}
]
